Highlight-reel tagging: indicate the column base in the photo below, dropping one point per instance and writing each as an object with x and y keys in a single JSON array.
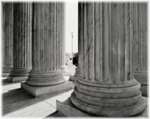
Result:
[
  {"x": 45, "y": 78},
  {"x": 42, "y": 90},
  {"x": 141, "y": 77},
  {"x": 18, "y": 74},
  {"x": 108, "y": 99},
  {"x": 69, "y": 110}
]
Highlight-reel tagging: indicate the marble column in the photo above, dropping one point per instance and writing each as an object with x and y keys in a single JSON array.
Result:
[
  {"x": 7, "y": 38},
  {"x": 64, "y": 68},
  {"x": 46, "y": 75},
  {"x": 22, "y": 33},
  {"x": 105, "y": 85},
  {"x": 140, "y": 45}
]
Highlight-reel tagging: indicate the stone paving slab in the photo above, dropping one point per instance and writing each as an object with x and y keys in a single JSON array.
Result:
[{"x": 19, "y": 103}]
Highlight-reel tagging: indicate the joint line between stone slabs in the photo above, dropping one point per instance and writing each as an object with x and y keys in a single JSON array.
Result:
[{"x": 46, "y": 101}]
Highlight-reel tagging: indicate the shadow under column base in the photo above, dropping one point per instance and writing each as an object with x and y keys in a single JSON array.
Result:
[{"x": 42, "y": 90}]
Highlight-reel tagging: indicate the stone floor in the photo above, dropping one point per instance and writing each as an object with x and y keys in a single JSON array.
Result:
[{"x": 18, "y": 103}]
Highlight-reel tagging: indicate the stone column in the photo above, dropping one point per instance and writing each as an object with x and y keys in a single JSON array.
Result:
[
  {"x": 62, "y": 30},
  {"x": 140, "y": 45},
  {"x": 7, "y": 38},
  {"x": 46, "y": 75},
  {"x": 105, "y": 85},
  {"x": 22, "y": 42}
]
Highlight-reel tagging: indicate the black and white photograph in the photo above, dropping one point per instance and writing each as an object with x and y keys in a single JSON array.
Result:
[{"x": 74, "y": 59}]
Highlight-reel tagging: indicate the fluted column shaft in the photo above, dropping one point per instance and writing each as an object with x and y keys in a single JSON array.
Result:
[
  {"x": 22, "y": 40},
  {"x": 62, "y": 47},
  {"x": 46, "y": 45},
  {"x": 105, "y": 61},
  {"x": 140, "y": 43},
  {"x": 7, "y": 38}
]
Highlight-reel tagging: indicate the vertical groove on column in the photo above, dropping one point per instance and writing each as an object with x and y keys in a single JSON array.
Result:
[
  {"x": 119, "y": 42},
  {"x": 49, "y": 38},
  {"x": 44, "y": 32},
  {"x": 85, "y": 56},
  {"x": 60, "y": 35},
  {"x": 145, "y": 35},
  {"x": 114, "y": 42},
  {"x": 55, "y": 36},
  {"x": 122, "y": 42},
  {"x": 58, "y": 29},
  {"x": 139, "y": 35},
  {"x": 80, "y": 38},
  {"x": 93, "y": 44},
  {"x": 126, "y": 42},
  {"x": 98, "y": 38},
  {"x": 43, "y": 36},
  {"x": 38, "y": 36},
  {"x": 90, "y": 40},
  {"x": 141, "y": 31},
  {"x": 62, "y": 32},
  {"x": 106, "y": 41},
  {"x": 139, "y": 47},
  {"x": 47, "y": 22},
  {"x": 62, "y": 38},
  {"x": 110, "y": 42},
  {"x": 131, "y": 40}
]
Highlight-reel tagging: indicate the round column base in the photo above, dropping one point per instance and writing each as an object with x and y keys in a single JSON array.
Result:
[
  {"x": 109, "y": 100},
  {"x": 45, "y": 78},
  {"x": 18, "y": 74}
]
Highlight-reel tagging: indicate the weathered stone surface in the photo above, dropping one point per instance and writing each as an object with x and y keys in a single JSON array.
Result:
[{"x": 105, "y": 85}]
